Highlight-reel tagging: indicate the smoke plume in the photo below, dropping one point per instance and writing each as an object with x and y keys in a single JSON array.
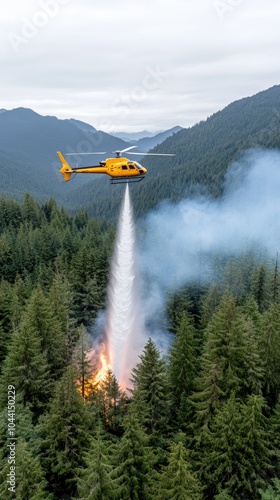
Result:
[{"x": 181, "y": 237}]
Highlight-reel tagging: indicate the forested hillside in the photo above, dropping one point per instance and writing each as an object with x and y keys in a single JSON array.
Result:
[
  {"x": 202, "y": 423},
  {"x": 203, "y": 155}
]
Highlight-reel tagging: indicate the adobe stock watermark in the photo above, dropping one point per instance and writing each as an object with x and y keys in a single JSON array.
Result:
[
  {"x": 11, "y": 445},
  {"x": 48, "y": 9},
  {"x": 121, "y": 108},
  {"x": 151, "y": 81},
  {"x": 224, "y": 7}
]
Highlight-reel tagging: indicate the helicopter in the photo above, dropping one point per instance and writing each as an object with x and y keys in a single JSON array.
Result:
[{"x": 119, "y": 168}]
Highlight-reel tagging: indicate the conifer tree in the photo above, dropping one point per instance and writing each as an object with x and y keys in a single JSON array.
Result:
[
  {"x": 64, "y": 436},
  {"x": 83, "y": 364},
  {"x": 26, "y": 368},
  {"x": 275, "y": 437},
  {"x": 236, "y": 453},
  {"x": 29, "y": 479},
  {"x": 61, "y": 300},
  {"x": 95, "y": 478},
  {"x": 270, "y": 353},
  {"x": 133, "y": 461},
  {"x": 260, "y": 287},
  {"x": 149, "y": 379},
  {"x": 111, "y": 402},
  {"x": 177, "y": 481},
  {"x": 210, "y": 302},
  {"x": 272, "y": 492},
  {"x": 227, "y": 361},
  {"x": 40, "y": 318},
  {"x": 182, "y": 369}
]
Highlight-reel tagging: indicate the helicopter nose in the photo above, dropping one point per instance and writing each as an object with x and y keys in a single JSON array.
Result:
[{"x": 143, "y": 170}]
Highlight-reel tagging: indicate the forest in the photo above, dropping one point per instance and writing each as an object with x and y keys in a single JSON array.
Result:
[{"x": 202, "y": 422}]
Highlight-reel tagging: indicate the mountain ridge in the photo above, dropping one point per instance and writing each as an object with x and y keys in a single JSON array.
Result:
[{"x": 203, "y": 154}]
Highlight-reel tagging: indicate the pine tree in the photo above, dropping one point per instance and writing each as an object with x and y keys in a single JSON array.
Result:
[
  {"x": 260, "y": 288},
  {"x": 40, "y": 318},
  {"x": 26, "y": 368},
  {"x": 83, "y": 364},
  {"x": 133, "y": 461},
  {"x": 275, "y": 437},
  {"x": 272, "y": 492},
  {"x": 6, "y": 294},
  {"x": 61, "y": 299},
  {"x": 150, "y": 391},
  {"x": 95, "y": 478},
  {"x": 64, "y": 436},
  {"x": 227, "y": 363},
  {"x": 210, "y": 302},
  {"x": 177, "y": 481},
  {"x": 29, "y": 479},
  {"x": 182, "y": 368},
  {"x": 270, "y": 353},
  {"x": 111, "y": 401},
  {"x": 236, "y": 454}
]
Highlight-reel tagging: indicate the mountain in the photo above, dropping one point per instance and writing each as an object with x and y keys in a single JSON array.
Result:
[
  {"x": 147, "y": 140},
  {"x": 28, "y": 146},
  {"x": 28, "y": 160},
  {"x": 133, "y": 136},
  {"x": 203, "y": 155},
  {"x": 85, "y": 127},
  {"x": 147, "y": 143}
]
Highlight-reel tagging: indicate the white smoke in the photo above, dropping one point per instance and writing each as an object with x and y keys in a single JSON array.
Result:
[{"x": 180, "y": 237}]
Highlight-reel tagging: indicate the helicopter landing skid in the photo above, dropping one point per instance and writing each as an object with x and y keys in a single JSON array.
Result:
[{"x": 129, "y": 180}]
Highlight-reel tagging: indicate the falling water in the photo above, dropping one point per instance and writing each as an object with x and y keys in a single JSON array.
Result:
[{"x": 124, "y": 318}]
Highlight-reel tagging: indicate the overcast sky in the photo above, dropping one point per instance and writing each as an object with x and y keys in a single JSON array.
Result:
[{"x": 129, "y": 66}]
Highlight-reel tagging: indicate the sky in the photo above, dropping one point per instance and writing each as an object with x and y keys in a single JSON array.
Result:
[{"x": 131, "y": 66}]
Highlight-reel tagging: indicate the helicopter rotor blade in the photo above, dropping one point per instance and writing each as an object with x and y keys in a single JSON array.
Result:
[
  {"x": 153, "y": 154},
  {"x": 79, "y": 154},
  {"x": 124, "y": 150}
]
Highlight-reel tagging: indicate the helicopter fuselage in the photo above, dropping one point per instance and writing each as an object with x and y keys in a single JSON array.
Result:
[
  {"x": 115, "y": 167},
  {"x": 120, "y": 169}
]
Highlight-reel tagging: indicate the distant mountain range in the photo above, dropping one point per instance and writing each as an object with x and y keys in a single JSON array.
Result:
[
  {"x": 134, "y": 137},
  {"x": 28, "y": 146},
  {"x": 29, "y": 163}
]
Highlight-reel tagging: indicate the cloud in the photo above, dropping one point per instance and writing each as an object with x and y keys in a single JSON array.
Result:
[{"x": 85, "y": 56}]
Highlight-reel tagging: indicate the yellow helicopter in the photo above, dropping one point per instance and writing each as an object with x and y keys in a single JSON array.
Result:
[{"x": 119, "y": 168}]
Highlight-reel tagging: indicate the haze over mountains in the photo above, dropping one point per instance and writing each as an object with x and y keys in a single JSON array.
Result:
[
  {"x": 28, "y": 146},
  {"x": 29, "y": 163}
]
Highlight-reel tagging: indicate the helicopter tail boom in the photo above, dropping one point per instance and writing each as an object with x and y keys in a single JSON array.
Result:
[{"x": 66, "y": 170}]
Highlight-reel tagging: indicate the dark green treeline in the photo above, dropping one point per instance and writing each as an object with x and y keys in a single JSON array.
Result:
[{"x": 201, "y": 423}]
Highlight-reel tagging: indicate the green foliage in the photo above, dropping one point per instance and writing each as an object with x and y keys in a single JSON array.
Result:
[
  {"x": 219, "y": 382},
  {"x": 182, "y": 369},
  {"x": 64, "y": 436},
  {"x": 29, "y": 479},
  {"x": 270, "y": 352},
  {"x": 176, "y": 480},
  {"x": 26, "y": 368},
  {"x": 236, "y": 453},
  {"x": 95, "y": 480},
  {"x": 230, "y": 361},
  {"x": 134, "y": 461},
  {"x": 111, "y": 403},
  {"x": 272, "y": 492},
  {"x": 149, "y": 379}
]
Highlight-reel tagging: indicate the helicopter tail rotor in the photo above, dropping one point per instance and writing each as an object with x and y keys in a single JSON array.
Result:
[{"x": 66, "y": 170}]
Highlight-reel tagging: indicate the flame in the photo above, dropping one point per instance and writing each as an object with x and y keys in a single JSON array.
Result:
[
  {"x": 105, "y": 366},
  {"x": 101, "y": 360}
]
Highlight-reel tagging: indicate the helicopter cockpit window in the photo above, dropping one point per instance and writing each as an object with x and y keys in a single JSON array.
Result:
[
  {"x": 124, "y": 167},
  {"x": 131, "y": 167},
  {"x": 138, "y": 164}
]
